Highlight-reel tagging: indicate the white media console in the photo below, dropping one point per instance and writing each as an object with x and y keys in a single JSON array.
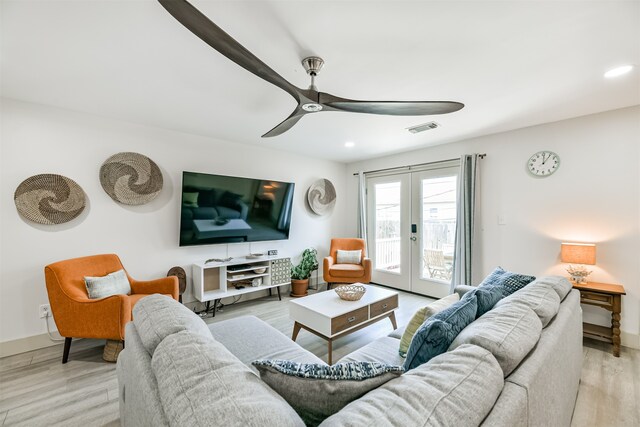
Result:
[{"x": 213, "y": 280}]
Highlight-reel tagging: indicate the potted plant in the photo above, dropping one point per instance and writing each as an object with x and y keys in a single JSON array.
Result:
[{"x": 300, "y": 273}]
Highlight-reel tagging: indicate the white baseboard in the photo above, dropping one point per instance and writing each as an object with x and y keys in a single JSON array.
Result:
[
  {"x": 22, "y": 345},
  {"x": 627, "y": 339}
]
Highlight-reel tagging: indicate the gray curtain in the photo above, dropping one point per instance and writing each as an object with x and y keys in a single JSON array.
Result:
[
  {"x": 465, "y": 221},
  {"x": 362, "y": 209}
]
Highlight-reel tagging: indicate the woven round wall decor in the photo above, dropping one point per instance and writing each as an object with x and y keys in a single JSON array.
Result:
[
  {"x": 49, "y": 199},
  {"x": 322, "y": 197},
  {"x": 131, "y": 178}
]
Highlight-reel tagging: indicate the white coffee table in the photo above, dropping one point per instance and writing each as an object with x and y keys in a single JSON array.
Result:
[
  {"x": 208, "y": 229},
  {"x": 327, "y": 316}
]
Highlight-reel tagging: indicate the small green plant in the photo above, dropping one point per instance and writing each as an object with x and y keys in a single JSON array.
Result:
[{"x": 308, "y": 263}]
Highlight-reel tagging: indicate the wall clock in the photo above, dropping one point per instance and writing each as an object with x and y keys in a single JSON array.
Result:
[{"x": 543, "y": 163}]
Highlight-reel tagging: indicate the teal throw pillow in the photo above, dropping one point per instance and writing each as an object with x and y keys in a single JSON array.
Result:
[
  {"x": 438, "y": 332},
  {"x": 487, "y": 297},
  {"x": 506, "y": 281}
]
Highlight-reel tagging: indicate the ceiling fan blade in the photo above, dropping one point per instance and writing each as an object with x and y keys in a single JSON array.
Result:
[
  {"x": 286, "y": 124},
  {"x": 214, "y": 36},
  {"x": 391, "y": 108}
]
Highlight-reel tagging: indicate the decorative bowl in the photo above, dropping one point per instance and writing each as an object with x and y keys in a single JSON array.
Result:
[
  {"x": 254, "y": 256},
  {"x": 350, "y": 292},
  {"x": 260, "y": 270}
]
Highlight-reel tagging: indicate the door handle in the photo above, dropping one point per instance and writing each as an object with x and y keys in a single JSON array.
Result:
[{"x": 413, "y": 238}]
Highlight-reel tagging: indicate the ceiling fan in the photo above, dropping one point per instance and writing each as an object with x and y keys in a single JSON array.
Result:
[{"x": 309, "y": 100}]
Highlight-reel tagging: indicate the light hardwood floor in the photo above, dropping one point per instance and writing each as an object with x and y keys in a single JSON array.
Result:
[{"x": 37, "y": 390}]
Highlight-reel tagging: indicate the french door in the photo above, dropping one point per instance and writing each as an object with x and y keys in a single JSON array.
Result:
[{"x": 411, "y": 220}]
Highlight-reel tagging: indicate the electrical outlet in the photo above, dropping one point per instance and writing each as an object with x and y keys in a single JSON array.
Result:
[{"x": 45, "y": 310}]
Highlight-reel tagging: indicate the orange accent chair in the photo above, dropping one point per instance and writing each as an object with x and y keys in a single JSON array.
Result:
[
  {"x": 77, "y": 316},
  {"x": 346, "y": 273}
]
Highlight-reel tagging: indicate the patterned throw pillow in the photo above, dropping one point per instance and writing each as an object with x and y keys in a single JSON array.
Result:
[
  {"x": 420, "y": 316},
  {"x": 438, "y": 332},
  {"x": 506, "y": 281},
  {"x": 112, "y": 284},
  {"x": 318, "y": 391},
  {"x": 349, "y": 257}
]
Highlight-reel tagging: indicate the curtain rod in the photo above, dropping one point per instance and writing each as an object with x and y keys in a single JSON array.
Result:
[{"x": 482, "y": 156}]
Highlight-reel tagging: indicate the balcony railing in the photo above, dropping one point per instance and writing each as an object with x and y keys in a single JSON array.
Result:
[{"x": 388, "y": 253}]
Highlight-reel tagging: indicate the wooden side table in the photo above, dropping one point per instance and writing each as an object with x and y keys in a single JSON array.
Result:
[{"x": 605, "y": 296}]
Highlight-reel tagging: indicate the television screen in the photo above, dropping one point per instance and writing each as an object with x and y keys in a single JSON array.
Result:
[{"x": 229, "y": 209}]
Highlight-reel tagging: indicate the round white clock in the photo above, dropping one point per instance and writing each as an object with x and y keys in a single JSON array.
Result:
[{"x": 543, "y": 163}]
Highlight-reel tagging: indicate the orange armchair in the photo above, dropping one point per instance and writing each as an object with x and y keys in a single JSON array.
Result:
[
  {"x": 346, "y": 273},
  {"x": 77, "y": 316}
]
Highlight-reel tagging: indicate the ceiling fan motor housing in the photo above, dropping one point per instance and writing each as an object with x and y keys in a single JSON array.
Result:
[{"x": 312, "y": 65}]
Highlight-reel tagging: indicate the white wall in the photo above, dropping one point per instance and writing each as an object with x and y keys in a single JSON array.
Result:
[
  {"x": 593, "y": 197},
  {"x": 38, "y": 139}
]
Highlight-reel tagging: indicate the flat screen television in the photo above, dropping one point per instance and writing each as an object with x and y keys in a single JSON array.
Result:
[{"x": 230, "y": 209}]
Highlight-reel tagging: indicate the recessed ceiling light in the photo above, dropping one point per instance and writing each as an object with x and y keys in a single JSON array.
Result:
[
  {"x": 618, "y": 71},
  {"x": 349, "y": 144}
]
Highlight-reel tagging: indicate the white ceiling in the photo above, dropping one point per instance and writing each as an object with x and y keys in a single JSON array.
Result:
[{"x": 513, "y": 64}]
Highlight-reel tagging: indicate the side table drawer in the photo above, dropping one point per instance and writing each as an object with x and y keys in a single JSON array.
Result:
[
  {"x": 349, "y": 319},
  {"x": 596, "y": 298},
  {"x": 384, "y": 306}
]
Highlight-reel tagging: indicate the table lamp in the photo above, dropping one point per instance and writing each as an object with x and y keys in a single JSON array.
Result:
[{"x": 581, "y": 254}]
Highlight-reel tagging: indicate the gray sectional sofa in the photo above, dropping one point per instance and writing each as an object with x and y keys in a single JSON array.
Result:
[{"x": 517, "y": 365}]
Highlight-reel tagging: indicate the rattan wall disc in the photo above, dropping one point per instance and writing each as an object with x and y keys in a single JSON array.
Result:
[
  {"x": 49, "y": 199},
  {"x": 131, "y": 178},
  {"x": 322, "y": 197}
]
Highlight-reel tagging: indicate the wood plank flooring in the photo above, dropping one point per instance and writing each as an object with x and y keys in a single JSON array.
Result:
[{"x": 37, "y": 390}]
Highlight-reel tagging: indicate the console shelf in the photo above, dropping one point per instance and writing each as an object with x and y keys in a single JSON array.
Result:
[{"x": 215, "y": 280}]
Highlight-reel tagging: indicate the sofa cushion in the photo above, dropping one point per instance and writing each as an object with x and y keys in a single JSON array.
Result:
[
  {"x": 397, "y": 333},
  {"x": 204, "y": 213},
  {"x": 347, "y": 270},
  {"x": 329, "y": 388},
  {"x": 507, "y": 281},
  {"x": 420, "y": 316},
  {"x": 157, "y": 316},
  {"x": 541, "y": 298},
  {"x": 509, "y": 332},
  {"x": 201, "y": 383},
  {"x": 382, "y": 350},
  {"x": 249, "y": 338},
  {"x": 457, "y": 388},
  {"x": 228, "y": 213},
  {"x": 559, "y": 284},
  {"x": 116, "y": 283},
  {"x": 438, "y": 332},
  {"x": 133, "y": 299}
]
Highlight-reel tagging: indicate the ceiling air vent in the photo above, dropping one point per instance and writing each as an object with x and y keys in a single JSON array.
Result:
[{"x": 423, "y": 127}]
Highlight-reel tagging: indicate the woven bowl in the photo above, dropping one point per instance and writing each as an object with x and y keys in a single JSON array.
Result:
[{"x": 350, "y": 292}]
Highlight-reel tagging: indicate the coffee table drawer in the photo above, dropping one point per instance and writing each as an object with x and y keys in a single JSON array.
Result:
[
  {"x": 384, "y": 306},
  {"x": 349, "y": 319}
]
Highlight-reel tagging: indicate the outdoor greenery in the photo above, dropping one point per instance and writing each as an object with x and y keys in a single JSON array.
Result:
[{"x": 308, "y": 263}]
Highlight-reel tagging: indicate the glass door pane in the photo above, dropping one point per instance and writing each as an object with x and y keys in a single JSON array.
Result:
[
  {"x": 387, "y": 214},
  {"x": 438, "y": 227},
  {"x": 388, "y": 223},
  {"x": 434, "y": 215}
]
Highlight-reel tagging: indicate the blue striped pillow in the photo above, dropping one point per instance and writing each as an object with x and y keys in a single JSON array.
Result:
[{"x": 438, "y": 332}]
